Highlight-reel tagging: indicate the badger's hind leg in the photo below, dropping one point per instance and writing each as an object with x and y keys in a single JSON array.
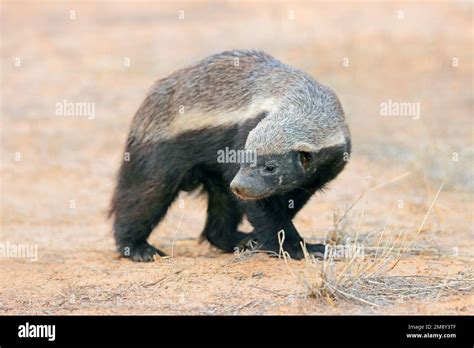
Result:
[{"x": 224, "y": 214}]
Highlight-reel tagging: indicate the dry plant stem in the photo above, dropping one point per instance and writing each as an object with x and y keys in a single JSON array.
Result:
[
  {"x": 427, "y": 213},
  {"x": 355, "y": 242},
  {"x": 384, "y": 229},
  {"x": 350, "y": 208},
  {"x": 400, "y": 177},
  {"x": 175, "y": 234}
]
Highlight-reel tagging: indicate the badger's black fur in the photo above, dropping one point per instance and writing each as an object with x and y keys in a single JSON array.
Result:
[{"x": 166, "y": 158}]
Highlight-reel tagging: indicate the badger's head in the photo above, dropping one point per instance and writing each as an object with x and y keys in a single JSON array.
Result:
[{"x": 303, "y": 143}]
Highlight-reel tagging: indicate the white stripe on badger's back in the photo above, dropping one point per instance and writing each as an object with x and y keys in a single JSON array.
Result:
[{"x": 196, "y": 119}]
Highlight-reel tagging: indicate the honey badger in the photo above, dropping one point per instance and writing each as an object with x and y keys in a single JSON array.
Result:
[{"x": 239, "y": 100}]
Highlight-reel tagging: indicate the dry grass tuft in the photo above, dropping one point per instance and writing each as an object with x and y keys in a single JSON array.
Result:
[
  {"x": 364, "y": 280},
  {"x": 355, "y": 266}
]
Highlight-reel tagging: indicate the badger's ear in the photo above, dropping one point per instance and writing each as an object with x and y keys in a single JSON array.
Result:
[
  {"x": 305, "y": 151},
  {"x": 305, "y": 147}
]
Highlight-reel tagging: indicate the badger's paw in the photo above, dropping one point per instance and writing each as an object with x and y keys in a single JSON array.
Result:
[
  {"x": 255, "y": 243},
  {"x": 295, "y": 250},
  {"x": 140, "y": 252},
  {"x": 316, "y": 250}
]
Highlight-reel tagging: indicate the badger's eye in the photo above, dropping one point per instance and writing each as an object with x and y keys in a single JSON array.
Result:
[{"x": 270, "y": 167}]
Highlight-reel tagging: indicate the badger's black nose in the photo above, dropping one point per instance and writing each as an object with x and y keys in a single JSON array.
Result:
[
  {"x": 246, "y": 188},
  {"x": 237, "y": 189}
]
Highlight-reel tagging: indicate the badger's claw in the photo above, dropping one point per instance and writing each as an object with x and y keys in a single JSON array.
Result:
[
  {"x": 248, "y": 244},
  {"x": 317, "y": 250},
  {"x": 255, "y": 242},
  {"x": 142, "y": 252}
]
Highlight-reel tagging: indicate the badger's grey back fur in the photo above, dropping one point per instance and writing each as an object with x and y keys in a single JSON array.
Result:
[{"x": 230, "y": 87}]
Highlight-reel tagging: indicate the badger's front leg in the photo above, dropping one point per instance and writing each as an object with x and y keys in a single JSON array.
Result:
[{"x": 269, "y": 217}]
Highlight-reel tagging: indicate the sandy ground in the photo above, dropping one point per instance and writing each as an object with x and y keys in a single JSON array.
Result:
[{"x": 57, "y": 173}]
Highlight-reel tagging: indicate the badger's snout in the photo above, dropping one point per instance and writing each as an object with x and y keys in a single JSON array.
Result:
[
  {"x": 238, "y": 190},
  {"x": 248, "y": 188}
]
